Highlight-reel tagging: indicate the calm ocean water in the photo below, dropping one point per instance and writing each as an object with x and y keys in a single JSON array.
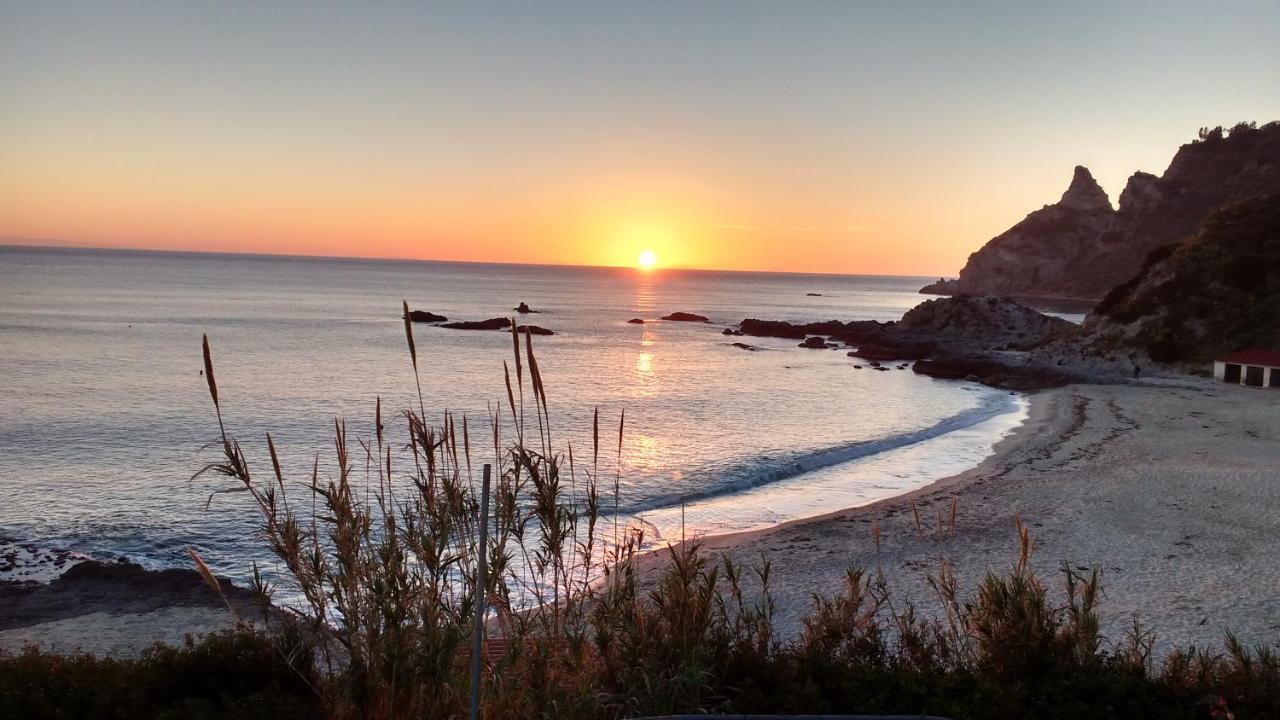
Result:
[{"x": 104, "y": 414}]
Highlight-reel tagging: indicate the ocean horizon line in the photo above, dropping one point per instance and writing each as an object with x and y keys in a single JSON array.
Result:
[{"x": 9, "y": 242}]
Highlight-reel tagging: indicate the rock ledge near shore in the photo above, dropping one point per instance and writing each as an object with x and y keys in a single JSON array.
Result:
[{"x": 961, "y": 337}]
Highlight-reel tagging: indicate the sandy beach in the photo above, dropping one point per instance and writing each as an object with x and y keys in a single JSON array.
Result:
[{"x": 1172, "y": 491}]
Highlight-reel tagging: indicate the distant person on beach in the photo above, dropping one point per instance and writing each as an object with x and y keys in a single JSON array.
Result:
[{"x": 1136, "y": 371}]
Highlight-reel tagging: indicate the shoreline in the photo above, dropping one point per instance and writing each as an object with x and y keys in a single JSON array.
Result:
[
  {"x": 1167, "y": 488},
  {"x": 864, "y": 479},
  {"x": 1039, "y": 415}
]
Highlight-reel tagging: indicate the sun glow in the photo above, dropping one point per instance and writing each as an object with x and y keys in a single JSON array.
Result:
[{"x": 647, "y": 259}]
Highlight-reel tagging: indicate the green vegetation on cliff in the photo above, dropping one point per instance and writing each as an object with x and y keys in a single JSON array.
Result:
[{"x": 1217, "y": 292}]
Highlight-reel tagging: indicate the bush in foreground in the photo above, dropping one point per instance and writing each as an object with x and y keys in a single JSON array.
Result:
[{"x": 232, "y": 674}]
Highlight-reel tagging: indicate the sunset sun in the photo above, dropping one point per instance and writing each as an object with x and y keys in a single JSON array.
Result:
[{"x": 647, "y": 259}]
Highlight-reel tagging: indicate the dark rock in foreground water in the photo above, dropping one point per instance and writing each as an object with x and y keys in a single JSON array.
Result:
[
  {"x": 423, "y": 316},
  {"x": 684, "y": 317},
  {"x": 534, "y": 330},
  {"x": 490, "y": 324},
  {"x": 111, "y": 587},
  {"x": 842, "y": 331}
]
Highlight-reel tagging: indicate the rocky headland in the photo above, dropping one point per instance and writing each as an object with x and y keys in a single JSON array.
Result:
[{"x": 1081, "y": 247}]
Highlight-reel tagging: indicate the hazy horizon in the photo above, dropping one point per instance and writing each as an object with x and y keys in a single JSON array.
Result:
[
  {"x": 868, "y": 138},
  {"x": 21, "y": 243}
]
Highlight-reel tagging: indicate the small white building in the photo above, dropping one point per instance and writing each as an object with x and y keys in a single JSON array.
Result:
[{"x": 1259, "y": 368}]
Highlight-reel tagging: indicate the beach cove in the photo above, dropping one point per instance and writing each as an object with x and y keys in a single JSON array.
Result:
[{"x": 1169, "y": 489}]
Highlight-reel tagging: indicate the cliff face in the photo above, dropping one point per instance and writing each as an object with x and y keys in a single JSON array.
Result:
[
  {"x": 1079, "y": 248},
  {"x": 1212, "y": 294}
]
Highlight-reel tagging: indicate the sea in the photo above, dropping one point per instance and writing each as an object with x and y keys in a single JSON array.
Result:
[{"x": 105, "y": 415}]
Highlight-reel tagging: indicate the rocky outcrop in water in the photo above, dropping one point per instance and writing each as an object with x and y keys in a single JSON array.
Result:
[
  {"x": 959, "y": 324},
  {"x": 1080, "y": 248},
  {"x": 490, "y": 324},
  {"x": 422, "y": 316},
  {"x": 533, "y": 330},
  {"x": 684, "y": 317},
  {"x": 790, "y": 331},
  {"x": 113, "y": 587},
  {"x": 952, "y": 338}
]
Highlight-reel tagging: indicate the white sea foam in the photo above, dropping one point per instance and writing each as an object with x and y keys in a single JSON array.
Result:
[{"x": 29, "y": 562}]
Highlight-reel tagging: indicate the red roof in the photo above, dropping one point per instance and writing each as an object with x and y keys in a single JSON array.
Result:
[{"x": 1270, "y": 358}]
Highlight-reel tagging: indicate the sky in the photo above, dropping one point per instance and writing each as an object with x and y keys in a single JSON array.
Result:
[{"x": 851, "y": 137}]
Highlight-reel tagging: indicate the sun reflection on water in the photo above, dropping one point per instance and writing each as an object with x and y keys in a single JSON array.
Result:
[{"x": 644, "y": 452}]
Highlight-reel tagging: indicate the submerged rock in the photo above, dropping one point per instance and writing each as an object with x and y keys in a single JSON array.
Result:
[
  {"x": 685, "y": 317},
  {"x": 745, "y": 346},
  {"x": 814, "y": 343}
]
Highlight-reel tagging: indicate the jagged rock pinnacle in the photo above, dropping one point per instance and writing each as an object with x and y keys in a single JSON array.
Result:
[{"x": 1085, "y": 193}]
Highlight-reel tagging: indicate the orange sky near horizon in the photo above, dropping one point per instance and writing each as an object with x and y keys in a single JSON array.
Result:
[
  {"x": 715, "y": 223},
  {"x": 861, "y": 138}
]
